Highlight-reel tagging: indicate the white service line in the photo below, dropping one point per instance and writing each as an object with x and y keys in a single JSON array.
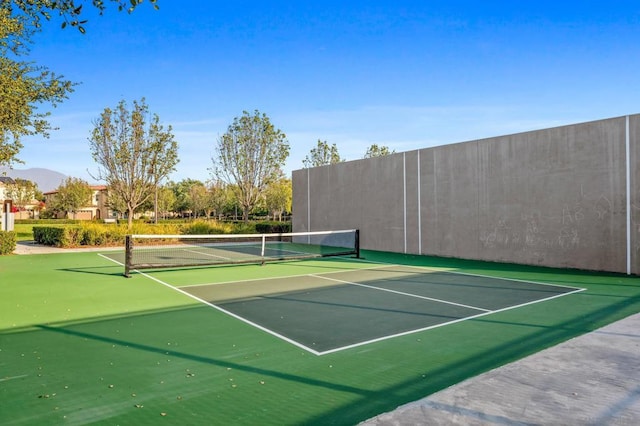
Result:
[
  {"x": 110, "y": 259},
  {"x": 6, "y": 379},
  {"x": 207, "y": 254}
]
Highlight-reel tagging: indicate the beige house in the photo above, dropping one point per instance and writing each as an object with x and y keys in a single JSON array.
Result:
[
  {"x": 96, "y": 208},
  {"x": 22, "y": 209}
]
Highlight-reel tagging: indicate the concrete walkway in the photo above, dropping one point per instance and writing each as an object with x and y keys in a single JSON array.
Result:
[
  {"x": 29, "y": 247},
  {"x": 593, "y": 379}
]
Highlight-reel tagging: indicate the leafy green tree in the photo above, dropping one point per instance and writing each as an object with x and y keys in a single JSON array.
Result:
[
  {"x": 278, "y": 197},
  {"x": 166, "y": 201},
  {"x": 24, "y": 85},
  {"x": 232, "y": 205},
  {"x": 22, "y": 192},
  {"x": 250, "y": 156},
  {"x": 163, "y": 202},
  {"x": 378, "y": 151},
  {"x": 131, "y": 153},
  {"x": 181, "y": 190},
  {"x": 72, "y": 195},
  {"x": 217, "y": 198},
  {"x": 322, "y": 155},
  {"x": 163, "y": 160},
  {"x": 198, "y": 199},
  {"x": 69, "y": 10}
]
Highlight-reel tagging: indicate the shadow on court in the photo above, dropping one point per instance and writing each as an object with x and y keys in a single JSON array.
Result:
[
  {"x": 334, "y": 311},
  {"x": 205, "y": 360},
  {"x": 371, "y": 402},
  {"x": 507, "y": 352},
  {"x": 98, "y": 270}
]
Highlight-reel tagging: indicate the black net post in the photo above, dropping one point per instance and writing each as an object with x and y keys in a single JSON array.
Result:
[
  {"x": 128, "y": 249},
  {"x": 357, "y": 243}
]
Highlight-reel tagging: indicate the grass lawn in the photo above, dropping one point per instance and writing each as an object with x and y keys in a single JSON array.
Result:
[{"x": 24, "y": 232}]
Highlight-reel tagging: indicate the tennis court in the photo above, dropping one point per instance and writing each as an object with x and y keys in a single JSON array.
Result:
[
  {"x": 342, "y": 309},
  {"x": 313, "y": 341}
]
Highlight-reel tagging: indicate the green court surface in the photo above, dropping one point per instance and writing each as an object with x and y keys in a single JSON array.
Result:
[{"x": 302, "y": 342}]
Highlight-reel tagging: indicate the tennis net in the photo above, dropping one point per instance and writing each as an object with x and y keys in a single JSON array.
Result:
[{"x": 177, "y": 251}]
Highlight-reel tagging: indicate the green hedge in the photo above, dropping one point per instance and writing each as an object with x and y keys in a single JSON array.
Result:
[
  {"x": 56, "y": 236},
  {"x": 74, "y": 236},
  {"x": 98, "y": 234},
  {"x": 7, "y": 242},
  {"x": 47, "y": 221}
]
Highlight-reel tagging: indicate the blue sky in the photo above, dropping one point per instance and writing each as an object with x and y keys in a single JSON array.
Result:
[{"x": 406, "y": 74}]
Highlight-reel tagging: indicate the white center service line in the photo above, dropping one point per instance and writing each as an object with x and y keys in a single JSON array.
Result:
[
  {"x": 402, "y": 293},
  {"x": 208, "y": 254}
]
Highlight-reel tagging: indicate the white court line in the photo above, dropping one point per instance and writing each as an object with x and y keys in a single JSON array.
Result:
[
  {"x": 207, "y": 254},
  {"x": 6, "y": 379},
  {"x": 403, "y": 293},
  {"x": 110, "y": 259}
]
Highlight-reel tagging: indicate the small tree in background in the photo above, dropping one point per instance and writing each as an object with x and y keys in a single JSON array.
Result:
[
  {"x": 72, "y": 195},
  {"x": 181, "y": 191},
  {"x": 217, "y": 198},
  {"x": 164, "y": 158},
  {"x": 231, "y": 203},
  {"x": 378, "y": 151},
  {"x": 250, "y": 156},
  {"x": 22, "y": 192},
  {"x": 278, "y": 197},
  {"x": 322, "y": 155},
  {"x": 198, "y": 199},
  {"x": 117, "y": 205},
  {"x": 133, "y": 154},
  {"x": 166, "y": 201}
]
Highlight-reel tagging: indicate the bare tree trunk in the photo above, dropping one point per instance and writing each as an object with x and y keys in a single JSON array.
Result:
[
  {"x": 155, "y": 206},
  {"x": 130, "y": 218}
]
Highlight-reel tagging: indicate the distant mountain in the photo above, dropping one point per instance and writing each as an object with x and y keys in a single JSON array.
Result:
[{"x": 47, "y": 180}]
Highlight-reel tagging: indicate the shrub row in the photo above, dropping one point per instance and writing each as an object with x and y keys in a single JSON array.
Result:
[
  {"x": 73, "y": 236},
  {"x": 98, "y": 234},
  {"x": 55, "y": 236},
  {"x": 7, "y": 242},
  {"x": 47, "y": 221},
  {"x": 273, "y": 227},
  {"x": 207, "y": 227}
]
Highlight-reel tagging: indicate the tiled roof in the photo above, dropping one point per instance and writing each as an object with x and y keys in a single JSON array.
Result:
[{"x": 93, "y": 188}]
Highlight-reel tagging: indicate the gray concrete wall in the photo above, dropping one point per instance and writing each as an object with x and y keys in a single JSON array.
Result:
[
  {"x": 554, "y": 197},
  {"x": 634, "y": 190}
]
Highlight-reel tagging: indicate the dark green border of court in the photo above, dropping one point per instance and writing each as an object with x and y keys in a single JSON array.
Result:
[{"x": 80, "y": 344}]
